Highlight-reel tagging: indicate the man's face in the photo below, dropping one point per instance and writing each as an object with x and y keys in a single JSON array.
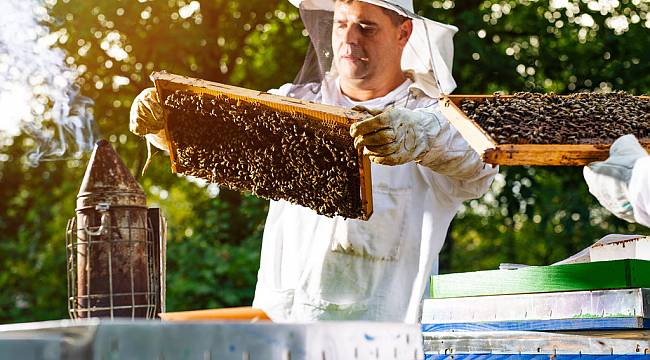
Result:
[{"x": 365, "y": 41}]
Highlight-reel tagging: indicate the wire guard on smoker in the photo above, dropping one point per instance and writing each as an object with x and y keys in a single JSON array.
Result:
[{"x": 110, "y": 290}]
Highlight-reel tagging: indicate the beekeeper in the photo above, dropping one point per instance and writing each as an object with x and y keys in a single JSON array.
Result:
[
  {"x": 378, "y": 55},
  {"x": 622, "y": 182}
]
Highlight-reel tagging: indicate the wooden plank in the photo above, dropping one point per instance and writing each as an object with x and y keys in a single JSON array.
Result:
[
  {"x": 618, "y": 274},
  {"x": 545, "y": 356},
  {"x": 477, "y": 138},
  {"x": 520, "y": 154},
  {"x": 328, "y": 113},
  {"x": 611, "y": 334},
  {"x": 244, "y": 313},
  {"x": 544, "y": 325},
  {"x": 546, "y": 155}
]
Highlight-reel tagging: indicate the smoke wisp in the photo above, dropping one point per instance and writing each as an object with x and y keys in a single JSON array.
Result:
[{"x": 38, "y": 94}]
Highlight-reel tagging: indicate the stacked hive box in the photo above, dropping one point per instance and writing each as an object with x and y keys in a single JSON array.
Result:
[
  {"x": 584, "y": 298},
  {"x": 562, "y": 297}
]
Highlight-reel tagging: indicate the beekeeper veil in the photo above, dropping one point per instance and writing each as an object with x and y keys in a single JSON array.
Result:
[{"x": 427, "y": 57}]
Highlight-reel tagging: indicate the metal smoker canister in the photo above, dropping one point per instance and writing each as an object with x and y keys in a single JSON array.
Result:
[{"x": 112, "y": 250}]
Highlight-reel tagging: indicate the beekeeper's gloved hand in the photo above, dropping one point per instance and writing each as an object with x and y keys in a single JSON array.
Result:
[
  {"x": 147, "y": 118},
  {"x": 399, "y": 135},
  {"x": 608, "y": 180}
]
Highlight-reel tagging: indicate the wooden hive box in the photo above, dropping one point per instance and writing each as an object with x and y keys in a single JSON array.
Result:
[
  {"x": 314, "y": 121},
  {"x": 520, "y": 154}
]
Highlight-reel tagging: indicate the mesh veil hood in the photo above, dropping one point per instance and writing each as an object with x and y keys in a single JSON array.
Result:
[{"x": 428, "y": 55}]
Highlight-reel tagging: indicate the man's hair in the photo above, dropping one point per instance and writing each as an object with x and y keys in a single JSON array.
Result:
[{"x": 395, "y": 18}]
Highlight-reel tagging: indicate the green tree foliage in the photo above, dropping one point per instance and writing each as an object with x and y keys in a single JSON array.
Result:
[{"x": 531, "y": 215}]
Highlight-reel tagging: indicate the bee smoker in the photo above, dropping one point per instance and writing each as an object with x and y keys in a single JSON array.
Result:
[{"x": 115, "y": 244}]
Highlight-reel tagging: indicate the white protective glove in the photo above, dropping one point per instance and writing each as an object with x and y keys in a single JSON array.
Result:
[
  {"x": 398, "y": 135},
  {"x": 608, "y": 180},
  {"x": 147, "y": 118}
]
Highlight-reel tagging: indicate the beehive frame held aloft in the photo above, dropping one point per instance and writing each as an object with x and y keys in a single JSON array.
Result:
[
  {"x": 327, "y": 116},
  {"x": 520, "y": 154}
]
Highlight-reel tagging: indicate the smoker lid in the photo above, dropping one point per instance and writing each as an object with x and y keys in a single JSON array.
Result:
[{"x": 106, "y": 172}]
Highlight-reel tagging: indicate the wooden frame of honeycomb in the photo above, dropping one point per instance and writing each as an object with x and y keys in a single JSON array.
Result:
[
  {"x": 327, "y": 117},
  {"x": 520, "y": 154}
]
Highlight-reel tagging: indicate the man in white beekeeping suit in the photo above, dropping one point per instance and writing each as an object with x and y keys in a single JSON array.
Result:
[
  {"x": 622, "y": 182},
  {"x": 378, "y": 55}
]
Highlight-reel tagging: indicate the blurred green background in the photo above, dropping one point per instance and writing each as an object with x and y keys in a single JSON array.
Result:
[{"x": 530, "y": 215}]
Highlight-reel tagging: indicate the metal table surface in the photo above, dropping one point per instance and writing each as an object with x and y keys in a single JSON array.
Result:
[{"x": 124, "y": 339}]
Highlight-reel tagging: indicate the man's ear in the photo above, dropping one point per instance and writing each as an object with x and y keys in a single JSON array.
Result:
[{"x": 405, "y": 31}]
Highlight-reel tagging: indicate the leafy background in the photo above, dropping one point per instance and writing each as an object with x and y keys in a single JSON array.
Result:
[{"x": 531, "y": 215}]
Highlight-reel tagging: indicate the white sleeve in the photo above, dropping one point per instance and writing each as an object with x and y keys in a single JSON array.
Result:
[
  {"x": 639, "y": 191},
  {"x": 458, "y": 170},
  {"x": 282, "y": 90},
  {"x": 307, "y": 92}
]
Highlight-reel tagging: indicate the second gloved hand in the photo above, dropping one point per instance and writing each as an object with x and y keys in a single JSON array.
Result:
[
  {"x": 608, "y": 180},
  {"x": 397, "y": 136},
  {"x": 147, "y": 118}
]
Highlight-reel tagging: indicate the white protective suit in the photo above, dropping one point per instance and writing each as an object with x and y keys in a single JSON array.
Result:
[{"x": 318, "y": 268}]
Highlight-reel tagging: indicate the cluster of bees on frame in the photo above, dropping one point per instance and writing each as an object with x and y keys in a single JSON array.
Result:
[
  {"x": 251, "y": 147},
  {"x": 581, "y": 118}
]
